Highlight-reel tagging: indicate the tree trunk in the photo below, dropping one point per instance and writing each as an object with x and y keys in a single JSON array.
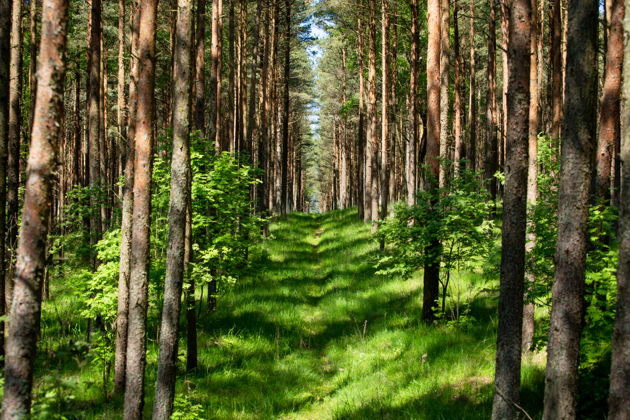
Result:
[
  {"x": 578, "y": 149},
  {"x": 457, "y": 123},
  {"x": 414, "y": 139},
  {"x": 618, "y": 402},
  {"x": 557, "y": 68},
  {"x": 141, "y": 219},
  {"x": 471, "y": 152},
  {"x": 215, "y": 72},
  {"x": 491, "y": 158},
  {"x": 180, "y": 191},
  {"x": 122, "y": 314},
  {"x": 372, "y": 170},
  {"x": 13, "y": 149},
  {"x": 532, "y": 174},
  {"x": 509, "y": 335},
  {"x": 609, "y": 113},
  {"x": 385, "y": 101},
  {"x": 286, "y": 110},
  {"x": 445, "y": 31},
  {"x": 199, "y": 86},
  {"x": 42, "y": 166},
  {"x": 432, "y": 267},
  {"x": 94, "y": 121}
]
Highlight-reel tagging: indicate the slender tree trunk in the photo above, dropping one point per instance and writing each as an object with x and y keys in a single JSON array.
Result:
[
  {"x": 618, "y": 402},
  {"x": 578, "y": 148},
  {"x": 180, "y": 191},
  {"x": 189, "y": 294},
  {"x": 13, "y": 149},
  {"x": 199, "y": 86},
  {"x": 491, "y": 153},
  {"x": 94, "y": 120},
  {"x": 32, "y": 66},
  {"x": 557, "y": 69},
  {"x": 365, "y": 209},
  {"x": 414, "y": 139},
  {"x": 532, "y": 173},
  {"x": 609, "y": 113},
  {"x": 445, "y": 52},
  {"x": 372, "y": 115},
  {"x": 284, "y": 196},
  {"x": 432, "y": 267},
  {"x": 385, "y": 101},
  {"x": 509, "y": 336},
  {"x": 122, "y": 105},
  {"x": 141, "y": 220},
  {"x": 215, "y": 71},
  {"x": 6, "y": 35},
  {"x": 457, "y": 123},
  {"x": 122, "y": 315},
  {"x": 471, "y": 152},
  {"x": 42, "y": 166}
]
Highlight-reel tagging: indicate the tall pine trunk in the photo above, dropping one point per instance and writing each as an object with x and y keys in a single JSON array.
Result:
[
  {"x": 141, "y": 217},
  {"x": 179, "y": 198},
  {"x": 509, "y": 335},
  {"x": 42, "y": 166},
  {"x": 578, "y": 147}
]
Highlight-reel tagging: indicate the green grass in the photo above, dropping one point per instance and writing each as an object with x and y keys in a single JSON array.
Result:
[{"x": 313, "y": 333}]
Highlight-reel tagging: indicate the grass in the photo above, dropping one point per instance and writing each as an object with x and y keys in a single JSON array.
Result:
[{"x": 313, "y": 333}]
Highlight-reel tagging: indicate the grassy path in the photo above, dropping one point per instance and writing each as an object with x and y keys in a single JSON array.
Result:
[{"x": 315, "y": 334}]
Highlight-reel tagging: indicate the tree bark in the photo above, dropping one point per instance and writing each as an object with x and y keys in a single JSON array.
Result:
[
  {"x": 372, "y": 170},
  {"x": 432, "y": 267},
  {"x": 180, "y": 191},
  {"x": 42, "y": 166},
  {"x": 199, "y": 86},
  {"x": 286, "y": 112},
  {"x": 557, "y": 69},
  {"x": 609, "y": 113},
  {"x": 491, "y": 150},
  {"x": 578, "y": 149},
  {"x": 471, "y": 152},
  {"x": 141, "y": 219},
  {"x": 385, "y": 102},
  {"x": 532, "y": 173},
  {"x": 13, "y": 150},
  {"x": 94, "y": 121},
  {"x": 509, "y": 335},
  {"x": 458, "y": 152},
  {"x": 618, "y": 403},
  {"x": 122, "y": 314},
  {"x": 445, "y": 31},
  {"x": 414, "y": 139},
  {"x": 215, "y": 72}
]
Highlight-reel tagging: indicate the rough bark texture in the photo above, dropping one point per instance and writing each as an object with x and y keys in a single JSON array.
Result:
[
  {"x": 13, "y": 150},
  {"x": 286, "y": 112},
  {"x": 471, "y": 151},
  {"x": 122, "y": 314},
  {"x": 618, "y": 402},
  {"x": 5, "y": 42},
  {"x": 508, "y": 358},
  {"x": 180, "y": 191},
  {"x": 199, "y": 86},
  {"x": 414, "y": 139},
  {"x": 42, "y": 165},
  {"x": 141, "y": 220},
  {"x": 444, "y": 83},
  {"x": 215, "y": 71},
  {"x": 609, "y": 113},
  {"x": 94, "y": 118},
  {"x": 532, "y": 174},
  {"x": 458, "y": 152},
  {"x": 578, "y": 147},
  {"x": 432, "y": 267}
]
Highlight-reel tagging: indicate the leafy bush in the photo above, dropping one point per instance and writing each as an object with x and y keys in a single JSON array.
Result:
[{"x": 458, "y": 216}]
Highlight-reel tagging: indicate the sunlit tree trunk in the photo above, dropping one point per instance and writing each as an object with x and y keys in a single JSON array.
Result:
[
  {"x": 385, "y": 101},
  {"x": 42, "y": 165},
  {"x": 179, "y": 198},
  {"x": 141, "y": 218},
  {"x": 445, "y": 52},
  {"x": 491, "y": 146},
  {"x": 414, "y": 138}
]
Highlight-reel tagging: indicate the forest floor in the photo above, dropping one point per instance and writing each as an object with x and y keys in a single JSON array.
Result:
[{"x": 314, "y": 333}]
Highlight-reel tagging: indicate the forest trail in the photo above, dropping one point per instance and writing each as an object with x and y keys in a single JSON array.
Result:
[{"x": 316, "y": 334}]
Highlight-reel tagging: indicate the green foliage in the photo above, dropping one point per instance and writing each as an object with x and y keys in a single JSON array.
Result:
[
  {"x": 185, "y": 409},
  {"x": 458, "y": 216}
]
